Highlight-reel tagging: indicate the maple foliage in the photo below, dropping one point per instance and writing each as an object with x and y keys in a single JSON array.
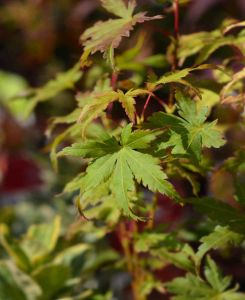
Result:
[
  {"x": 121, "y": 162},
  {"x": 106, "y": 36},
  {"x": 150, "y": 144}
]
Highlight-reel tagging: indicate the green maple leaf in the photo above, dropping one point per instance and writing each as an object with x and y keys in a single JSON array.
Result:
[
  {"x": 122, "y": 182},
  {"x": 214, "y": 277},
  {"x": 121, "y": 164},
  {"x": 92, "y": 149},
  {"x": 106, "y": 36},
  {"x": 138, "y": 139},
  {"x": 204, "y": 43},
  {"x": 96, "y": 107},
  {"x": 189, "y": 132},
  {"x": 146, "y": 241},
  {"x": 128, "y": 102},
  {"x": 200, "y": 134},
  {"x": 99, "y": 171},
  {"x": 221, "y": 213},
  {"x": 147, "y": 171},
  {"x": 220, "y": 238},
  {"x": 118, "y": 8},
  {"x": 100, "y": 101},
  {"x": 229, "y": 90},
  {"x": 215, "y": 286},
  {"x": 63, "y": 81},
  {"x": 175, "y": 142},
  {"x": 178, "y": 77}
]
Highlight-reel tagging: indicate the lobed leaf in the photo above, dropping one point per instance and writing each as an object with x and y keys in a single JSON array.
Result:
[
  {"x": 218, "y": 239},
  {"x": 215, "y": 286},
  {"x": 15, "y": 284},
  {"x": 119, "y": 164},
  {"x": 221, "y": 213},
  {"x": 99, "y": 102},
  {"x": 227, "y": 89},
  {"x": 119, "y": 8},
  {"x": 122, "y": 183},
  {"x": 63, "y": 81},
  {"x": 107, "y": 35},
  {"x": 190, "y": 133},
  {"x": 147, "y": 171}
]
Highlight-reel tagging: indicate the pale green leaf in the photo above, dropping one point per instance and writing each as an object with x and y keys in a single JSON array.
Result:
[
  {"x": 181, "y": 259},
  {"x": 52, "y": 279},
  {"x": 99, "y": 171},
  {"x": 214, "y": 278},
  {"x": 149, "y": 240},
  {"x": 119, "y": 8},
  {"x": 61, "y": 82},
  {"x": 191, "y": 44},
  {"x": 16, "y": 285},
  {"x": 190, "y": 133},
  {"x": 200, "y": 134},
  {"x": 175, "y": 142},
  {"x": 92, "y": 149},
  {"x": 205, "y": 44},
  {"x": 128, "y": 102},
  {"x": 209, "y": 99},
  {"x": 66, "y": 256},
  {"x": 138, "y": 139},
  {"x": 147, "y": 171},
  {"x": 220, "y": 238},
  {"x": 235, "y": 25},
  {"x": 122, "y": 182},
  {"x": 118, "y": 165},
  {"x": 228, "y": 89},
  {"x": 177, "y": 77},
  {"x": 41, "y": 239},
  {"x": 190, "y": 287},
  {"x": 94, "y": 109},
  {"x": 100, "y": 101},
  {"x": 215, "y": 287},
  {"x": 218, "y": 42},
  {"x": 16, "y": 253},
  {"x": 221, "y": 213},
  {"x": 107, "y": 35}
]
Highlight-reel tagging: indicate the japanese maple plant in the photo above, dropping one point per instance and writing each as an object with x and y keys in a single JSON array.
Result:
[
  {"x": 154, "y": 158},
  {"x": 151, "y": 133}
]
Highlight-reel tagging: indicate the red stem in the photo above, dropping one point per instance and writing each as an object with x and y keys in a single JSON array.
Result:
[
  {"x": 176, "y": 18},
  {"x": 146, "y": 104},
  {"x": 160, "y": 101},
  {"x": 176, "y": 32},
  {"x": 176, "y": 46},
  {"x": 114, "y": 76}
]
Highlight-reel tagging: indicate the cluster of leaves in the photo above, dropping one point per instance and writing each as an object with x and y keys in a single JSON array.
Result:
[
  {"x": 128, "y": 163},
  {"x": 43, "y": 262}
]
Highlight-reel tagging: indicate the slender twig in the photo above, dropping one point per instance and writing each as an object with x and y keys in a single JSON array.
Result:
[
  {"x": 146, "y": 104},
  {"x": 114, "y": 76},
  {"x": 150, "y": 223},
  {"x": 176, "y": 33},
  {"x": 151, "y": 94},
  {"x": 159, "y": 100},
  {"x": 176, "y": 46},
  {"x": 176, "y": 18},
  {"x": 125, "y": 245},
  {"x": 130, "y": 259}
]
